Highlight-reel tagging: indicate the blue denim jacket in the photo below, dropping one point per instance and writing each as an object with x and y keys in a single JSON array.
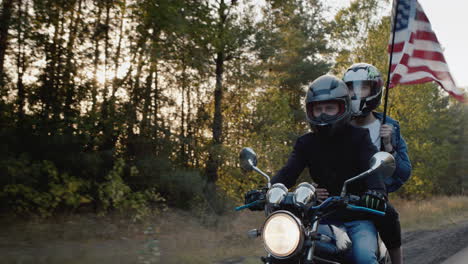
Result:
[{"x": 403, "y": 164}]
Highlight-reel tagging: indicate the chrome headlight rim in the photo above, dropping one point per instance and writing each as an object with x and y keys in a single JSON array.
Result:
[
  {"x": 307, "y": 191},
  {"x": 276, "y": 194},
  {"x": 300, "y": 229}
]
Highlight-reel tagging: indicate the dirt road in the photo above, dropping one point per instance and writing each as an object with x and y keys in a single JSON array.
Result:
[
  {"x": 434, "y": 246},
  {"x": 424, "y": 246},
  {"x": 459, "y": 258},
  {"x": 96, "y": 241}
]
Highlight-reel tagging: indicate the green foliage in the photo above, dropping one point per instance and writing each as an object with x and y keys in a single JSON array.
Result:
[
  {"x": 429, "y": 127},
  {"x": 70, "y": 190},
  {"x": 181, "y": 186},
  {"x": 294, "y": 47},
  {"x": 113, "y": 190},
  {"x": 271, "y": 134},
  {"x": 114, "y": 193},
  {"x": 353, "y": 28},
  {"x": 26, "y": 200},
  {"x": 267, "y": 111},
  {"x": 61, "y": 191}
]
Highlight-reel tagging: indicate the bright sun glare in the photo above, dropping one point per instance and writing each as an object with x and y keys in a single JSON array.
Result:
[{"x": 109, "y": 75}]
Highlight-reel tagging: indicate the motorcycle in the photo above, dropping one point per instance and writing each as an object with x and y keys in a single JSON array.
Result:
[{"x": 293, "y": 231}]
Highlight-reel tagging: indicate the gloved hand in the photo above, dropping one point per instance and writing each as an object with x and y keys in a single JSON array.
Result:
[
  {"x": 255, "y": 195},
  {"x": 374, "y": 200}
]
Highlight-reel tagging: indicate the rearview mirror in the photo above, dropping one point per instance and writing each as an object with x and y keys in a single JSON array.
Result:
[
  {"x": 248, "y": 162},
  {"x": 248, "y": 159},
  {"x": 383, "y": 162}
]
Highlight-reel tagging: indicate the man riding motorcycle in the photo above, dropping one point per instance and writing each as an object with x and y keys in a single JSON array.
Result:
[
  {"x": 366, "y": 84},
  {"x": 333, "y": 152}
]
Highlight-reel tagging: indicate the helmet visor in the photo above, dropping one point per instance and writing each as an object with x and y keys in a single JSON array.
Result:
[
  {"x": 328, "y": 109},
  {"x": 362, "y": 89}
]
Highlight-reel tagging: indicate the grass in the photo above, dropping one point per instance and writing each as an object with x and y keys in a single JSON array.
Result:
[
  {"x": 72, "y": 239},
  {"x": 231, "y": 241},
  {"x": 432, "y": 213},
  {"x": 202, "y": 243},
  {"x": 174, "y": 236}
]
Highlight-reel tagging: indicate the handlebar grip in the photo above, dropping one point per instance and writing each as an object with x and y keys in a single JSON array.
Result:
[
  {"x": 246, "y": 205},
  {"x": 364, "y": 209}
]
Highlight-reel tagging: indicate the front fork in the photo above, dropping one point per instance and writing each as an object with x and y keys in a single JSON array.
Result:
[
  {"x": 267, "y": 259},
  {"x": 310, "y": 236}
]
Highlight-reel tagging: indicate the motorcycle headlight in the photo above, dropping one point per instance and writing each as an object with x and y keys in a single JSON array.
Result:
[
  {"x": 304, "y": 194},
  {"x": 282, "y": 234},
  {"x": 276, "y": 193}
]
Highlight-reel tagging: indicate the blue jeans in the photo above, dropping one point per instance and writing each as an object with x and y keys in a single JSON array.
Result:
[{"x": 363, "y": 235}]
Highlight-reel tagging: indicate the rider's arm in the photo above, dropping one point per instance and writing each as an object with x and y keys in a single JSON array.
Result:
[
  {"x": 367, "y": 150},
  {"x": 403, "y": 164},
  {"x": 293, "y": 168}
]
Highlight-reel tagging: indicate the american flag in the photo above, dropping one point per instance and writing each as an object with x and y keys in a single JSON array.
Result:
[{"x": 417, "y": 55}]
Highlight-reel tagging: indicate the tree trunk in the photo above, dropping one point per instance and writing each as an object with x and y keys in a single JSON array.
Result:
[
  {"x": 106, "y": 49},
  {"x": 132, "y": 147},
  {"x": 183, "y": 135},
  {"x": 96, "y": 37},
  {"x": 50, "y": 90},
  {"x": 119, "y": 46},
  {"x": 156, "y": 108},
  {"x": 107, "y": 107},
  {"x": 20, "y": 64},
  {"x": 5, "y": 19},
  {"x": 214, "y": 156},
  {"x": 147, "y": 101},
  {"x": 70, "y": 69},
  {"x": 189, "y": 128},
  {"x": 58, "y": 81}
]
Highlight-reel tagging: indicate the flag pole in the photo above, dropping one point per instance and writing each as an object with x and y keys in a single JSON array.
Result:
[{"x": 387, "y": 86}]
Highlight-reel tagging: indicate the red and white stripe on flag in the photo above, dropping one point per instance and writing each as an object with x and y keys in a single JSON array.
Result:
[{"x": 417, "y": 56}]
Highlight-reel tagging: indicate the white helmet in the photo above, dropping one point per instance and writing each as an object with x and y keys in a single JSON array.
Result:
[{"x": 358, "y": 76}]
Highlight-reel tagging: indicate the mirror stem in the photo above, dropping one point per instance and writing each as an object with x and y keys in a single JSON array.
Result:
[
  {"x": 264, "y": 175},
  {"x": 362, "y": 175}
]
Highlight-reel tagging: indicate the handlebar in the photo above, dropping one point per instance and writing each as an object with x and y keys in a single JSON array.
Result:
[
  {"x": 248, "y": 205},
  {"x": 364, "y": 209},
  {"x": 330, "y": 201},
  {"x": 338, "y": 199}
]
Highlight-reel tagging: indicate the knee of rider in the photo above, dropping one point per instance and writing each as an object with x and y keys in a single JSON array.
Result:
[{"x": 365, "y": 249}]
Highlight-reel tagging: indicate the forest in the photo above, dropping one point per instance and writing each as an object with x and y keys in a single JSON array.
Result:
[{"x": 140, "y": 105}]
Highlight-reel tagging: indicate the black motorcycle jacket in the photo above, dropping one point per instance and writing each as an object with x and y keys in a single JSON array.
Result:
[{"x": 331, "y": 161}]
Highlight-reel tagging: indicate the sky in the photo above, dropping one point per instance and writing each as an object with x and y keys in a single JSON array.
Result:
[{"x": 449, "y": 19}]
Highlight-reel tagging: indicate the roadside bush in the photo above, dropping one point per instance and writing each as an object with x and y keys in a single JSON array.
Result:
[
  {"x": 59, "y": 191},
  {"x": 114, "y": 193},
  {"x": 48, "y": 191},
  {"x": 180, "y": 186}
]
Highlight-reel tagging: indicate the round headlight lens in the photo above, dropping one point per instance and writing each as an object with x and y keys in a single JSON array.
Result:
[{"x": 282, "y": 234}]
